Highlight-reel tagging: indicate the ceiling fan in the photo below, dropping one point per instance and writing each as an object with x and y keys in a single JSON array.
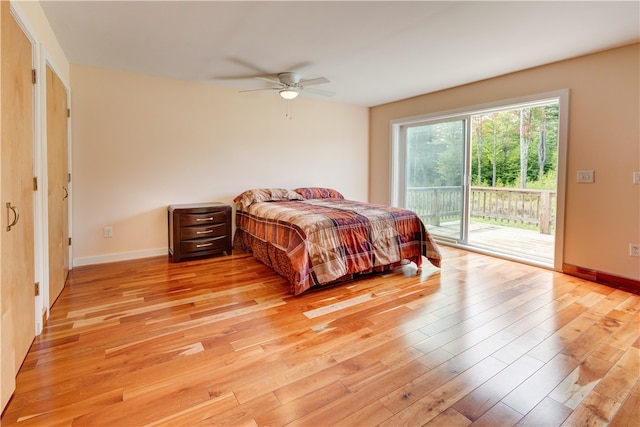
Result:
[{"x": 290, "y": 85}]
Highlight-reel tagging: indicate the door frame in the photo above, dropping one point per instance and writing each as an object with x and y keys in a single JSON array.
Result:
[{"x": 397, "y": 154}]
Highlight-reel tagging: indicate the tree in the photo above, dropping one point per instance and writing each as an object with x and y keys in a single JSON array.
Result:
[
  {"x": 525, "y": 142},
  {"x": 495, "y": 145},
  {"x": 477, "y": 124},
  {"x": 542, "y": 144},
  {"x": 450, "y": 159}
]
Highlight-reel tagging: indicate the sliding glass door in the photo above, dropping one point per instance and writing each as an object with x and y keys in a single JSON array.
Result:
[
  {"x": 485, "y": 178},
  {"x": 434, "y": 175}
]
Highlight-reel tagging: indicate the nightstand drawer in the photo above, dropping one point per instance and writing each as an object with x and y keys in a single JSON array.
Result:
[
  {"x": 206, "y": 231},
  {"x": 203, "y": 218},
  {"x": 192, "y": 246}
]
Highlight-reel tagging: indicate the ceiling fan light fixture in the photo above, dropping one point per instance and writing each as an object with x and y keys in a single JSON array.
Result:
[{"x": 289, "y": 92}]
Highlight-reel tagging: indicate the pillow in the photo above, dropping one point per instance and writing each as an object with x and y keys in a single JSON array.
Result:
[
  {"x": 266, "y": 195},
  {"x": 318, "y": 193}
]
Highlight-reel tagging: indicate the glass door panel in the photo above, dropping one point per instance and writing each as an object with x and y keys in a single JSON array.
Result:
[
  {"x": 434, "y": 171},
  {"x": 514, "y": 180}
]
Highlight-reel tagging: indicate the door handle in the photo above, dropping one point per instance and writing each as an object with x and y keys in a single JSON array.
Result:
[
  {"x": 66, "y": 193},
  {"x": 16, "y": 216}
]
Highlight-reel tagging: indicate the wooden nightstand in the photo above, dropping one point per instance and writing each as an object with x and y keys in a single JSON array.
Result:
[{"x": 199, "y": 230}]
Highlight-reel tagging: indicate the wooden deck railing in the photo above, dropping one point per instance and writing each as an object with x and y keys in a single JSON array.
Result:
[{"x": 508, "y": 205}]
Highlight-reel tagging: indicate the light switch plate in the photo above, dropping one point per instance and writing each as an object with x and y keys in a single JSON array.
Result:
[
  {"x": 585, "y": 176},
  {"x": 636, "y": 177}
]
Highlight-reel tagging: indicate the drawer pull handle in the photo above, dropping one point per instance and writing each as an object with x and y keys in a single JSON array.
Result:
[
  {"x": 204, "y": 232},
  {"x": 204, "y": 245},
  {"x": 205, "y": 219}
]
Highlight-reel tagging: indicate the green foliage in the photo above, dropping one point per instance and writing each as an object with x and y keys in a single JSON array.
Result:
[
  {"x": 499, "y": 142},
  {"x": 547, "y": 182},
  {"x": 435, "y": 155}
]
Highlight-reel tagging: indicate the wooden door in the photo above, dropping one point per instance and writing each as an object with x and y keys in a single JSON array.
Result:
[
  {"x": 17, "y": 327},
  {"x": 58, "y": 184}
]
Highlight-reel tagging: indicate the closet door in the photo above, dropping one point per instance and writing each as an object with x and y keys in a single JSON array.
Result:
[
  {"x": 58, "y": 184},
  {"x": 17, "y": 294}
]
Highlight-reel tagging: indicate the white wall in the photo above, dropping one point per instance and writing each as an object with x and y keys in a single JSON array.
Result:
[{"x": 141, "y": 143}]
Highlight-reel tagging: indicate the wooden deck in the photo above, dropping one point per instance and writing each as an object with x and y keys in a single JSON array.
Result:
[
  {"x": 481, "y": 341},
  {"x": 517, "y": 242}
]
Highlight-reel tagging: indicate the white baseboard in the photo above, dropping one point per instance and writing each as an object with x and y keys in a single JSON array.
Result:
[{"x": 124, "y": 256}]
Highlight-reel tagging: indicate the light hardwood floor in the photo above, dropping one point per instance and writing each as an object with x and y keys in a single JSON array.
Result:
[{"x": 483, "y": 341}]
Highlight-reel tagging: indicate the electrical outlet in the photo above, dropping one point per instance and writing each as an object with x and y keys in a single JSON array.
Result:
[
  {"x": 636, "y": 177},
  {"x": 634, "y": 249},
  {"x": 585, "y": 176},
  {"x": 108, "y": 232}
]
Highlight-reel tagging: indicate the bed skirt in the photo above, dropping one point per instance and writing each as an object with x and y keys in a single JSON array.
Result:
[{"x": 277, "y": 259}]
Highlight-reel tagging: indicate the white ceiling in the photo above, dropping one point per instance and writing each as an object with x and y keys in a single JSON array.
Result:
[{"x": 373, "y": 52}]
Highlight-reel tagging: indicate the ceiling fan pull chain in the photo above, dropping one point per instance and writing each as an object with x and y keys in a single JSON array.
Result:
[{"x": 288, "y": 110}]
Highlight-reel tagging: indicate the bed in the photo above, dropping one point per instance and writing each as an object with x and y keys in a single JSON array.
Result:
[{"x": 314, "y": 237}]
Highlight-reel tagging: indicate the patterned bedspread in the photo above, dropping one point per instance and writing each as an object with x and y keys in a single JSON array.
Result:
[{"x": 329, "y": 239}]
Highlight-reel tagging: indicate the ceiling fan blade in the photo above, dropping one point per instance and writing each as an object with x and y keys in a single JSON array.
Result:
[
  {"x": 271, "y": 78},
  {"x": 319, "y": 91},
  {"x": 316, "y": 81},
  {"x": 259, "y": 70},
  {"x": 300, "y": 65},
  {"x": 255, "y": 90},
  {"x": 238, "y": 77}
]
